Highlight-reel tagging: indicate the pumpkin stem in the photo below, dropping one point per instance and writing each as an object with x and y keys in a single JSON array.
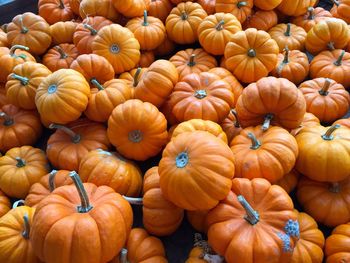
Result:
[
  {"x": 220, "y": 25},
  {"x": 255, "y": 142},
  {"x": 328, "y": 135},
  {"x": 191, "y": 62},
  {"x": 184, "y": 15},
  {"x": 135, "y": 136},
  {"x": 234, "y": 113},
  {"x": 136, "y": 77},
  {"x": 52, "y": 176},
  {"x": 200, "y": 94},
  {"x": 61, "y": 4},
  {"x": 252, "y": 216},
  {"x": 26, "y": 230},
  {"x": 145, "y": 20},
  {"x": 8, "y": 121},
  {"x": 123, "y": 258},
  {"x": 311, "y": 13},
  {"x": 334, "y": 188},
  {"x": 338, "y": 62},
  {"x": 15, "y": 47},
  {"x": 330, "y": 46},
  {"x": 287, "y": 33},
  {"x": 85, "y": 204},
  {"x": 96, "y": 84},
  {"x": 24, "y": 81},
  {"x": 24, "y": 29},
  {"x": 242, "y": 4},
  {"x": 324, "y": 90},
  {"x": 284, "y": 61},
  {"x": 61, "y": 51},
  {"x": 18, "y": 203},
  {"x": 336, "y": 2},
  {"x": 75, "y": 137},
  {"x": 93, "y": 31},
  {"x": 20, "y": 162},
  {"x": 267, "y": 122},
  {"x": 182, "y": 160},
  {"x": 133, "y": 200},
  {"x": 251, "y": 53}
]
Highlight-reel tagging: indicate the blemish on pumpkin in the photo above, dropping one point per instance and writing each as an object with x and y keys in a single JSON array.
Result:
[
  {"x": 285, "y": 242},
  {"x": 292, "y": 228}
]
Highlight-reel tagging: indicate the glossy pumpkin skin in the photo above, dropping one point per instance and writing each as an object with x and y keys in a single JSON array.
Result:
[
  {"x": 289, "y": 181},
  {"x": 60, "y": 57},
  {"x": 17, "y": 175},
  {"x": 119, "y": 46},
  {"x": 54, "y": 11},
  {"x": 202, "y": 178},
  {"x": 215, "y": 31},
  {"x": 327, "y": 34},
  {"x": 98, "y": 8},
  {"x": 227, "y": 224},
  {"x": 146, "y": 59},
  {"x": 160, "y": 9},
  {"x": 157, "y": 83},
  {"x": 309, "y": 120},
  {"x": 18, "y": 127},
  {"x": 22, "y": 84},
  {"x": 271, "y": 95},
  {"x": 5, "y": 204},
  {"x": 62, "y": 96},
  {"x": 183, "y": 22},
  {"x": 337, "y": 245},
  {"x": 192, "y": 61},
  {"x": 105, "y": 168},
  {"x": 155, "y": 206},
  {"x": 62, "y": 32},
  {"x": 131, "y": 8},
  {"x": 35, "y": 33},
  {"x": 261, "y": 20},
  {"x": 15, "y": 247},
  {"x": 332, "y": 64},
  {"x": 295, "y": 7},
  {"x": 311, "y": 18},
  {"x": 230, "y": 125},
  {"x": 240, "y": 9},
  {"x": 137, "y": 129},
  {"x": 341, "y": 9},
  {"x": 86, "y": 32},
  {"x": 325, "y": 202},
  {"x": 208, "y": 6},
  {"x": 202, "y": 96},
  {"x": 42, "y": 189},
  {"x": 251, "y": 55},
  {"x": 309, "y": 247},
  {"x": 325, "y": 98}
]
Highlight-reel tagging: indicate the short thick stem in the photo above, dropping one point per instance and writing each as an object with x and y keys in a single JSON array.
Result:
[
  {"x": 336, "y": 2},
  {"x": 133, "y": 200},
  {"x": 236, "y": 123},
  {"x": 220, "y": 25},
  {"x": 24, "y": 29},
  {"x": 324, "y": 90},
  {"x": 18, "y": 203},
  {"x": 8, "y": 121},
  {"x": 61, "y": 51},
  {"x": 191, "y": 62},
  {"x": 61, "y": 4},
  {"x": 123, "y": 256},
  {"x": 334, "y": 188},
  {"x": 252, "y": 216},
  {"x": 251, "y": 53},
  {"x": 287, "y": 33},
  {"x": 136, "y": 77},
  {"x": 184, "y": 15},
  {"x": 242, "y": 4},
  {"x": 286, "y": 55},
  {"x": 85, "y": 204},
  {"x": 20, "y": 162},
  {"x": 330, "y": 46},
  {"x": 24, "y": 81},
  {"x": 311, "y": 13},
  {"x": 75, "y": 137},
  {"x": 328, "y": 136},
  {"x": 52, "y": 176},
  {"x": 96, "y": 84},
  {"x": 93, "y": 31},
  {"x": 15, "y": 47},
  {"x": 145, "y": 18},
  {"x": 338, "y": 62},
  {"x": 26, "y": 226},
  {"x": 267, "y": 122},
  {"x": 255, "y": 142}
]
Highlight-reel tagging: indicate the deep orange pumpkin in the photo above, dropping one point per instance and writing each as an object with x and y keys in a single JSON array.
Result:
[
  {"x": 289, "y": 181},
  {"x": 309, "y": 120},
  {"x": 337, "y": 245},
  {"x": 231, "y": 126},
  {"x": 103, "y": 8},
  {"x": 54, "y": 11},
  {"x": 5, "y": 204},
  {"x": 261, "y": 20},
  {"x": 146, "y": 59},
  {"x": 311, "y": 18},
  {"x": 239, "y": 8},
  {"x": 131, "y": 8},
  {"x": 343, "y": 122},
  {"x": 288, "y": 35},
  {"x": 295, "y": 7},
  {"x": 60, "y": 57},
  {"x": 160, "y": 9}
]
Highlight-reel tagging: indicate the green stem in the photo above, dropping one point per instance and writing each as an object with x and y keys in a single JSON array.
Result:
[
  {"x": 242, "y": 4},
  {"x": 133, "y": 200},
  {"x": 26, "y": 230},
  {"x": 93, "y": 31},
  {"x": 75, "y": 137},
  {"x": 251, "y": 53},
  {"x": 85, "y": 204},
  {"x": 252, "y": 216},
  {"x": 338, "y": 62},
  {"x": 8, "y": 121},
  {"x": 284, "y": 61},
  {"x": 15, "y": 47},
  {"x": 191, "y": 62},
  {"x": 184, "y": 15},
  {"x": 328, "y": 135},
  {"x": 287, "y": 33},
  {"x": 136, "y": 77},
  {"x": 220, "y": 25},
  {"x": 96, "y": 84},
  {"x": 336, "y": 2},
  {"x": 52, "y": 176},
  {"x": 200, "y": 94},
  {"x": 20, "y": 162},
  {"x": 234, "y": 113},
  {"x": 267, "y": 122},
  {"x": 334, "y": 188},
  {"x": 61, "y": 51},
  {"x": 18, "y": 203},
  {"x": 311, "y": 13},
  {"x": 24, "y": 29},
  {"x": 24, "y": 81},
  {"x": 324, "y": 90},
  {"x": 123, "y": 258},
  {"x": 330, "y": 46},
  {"x": 255, "y": 142},
  {"x": 145, "y": 20},
  {"x": 61, "y": 4}
]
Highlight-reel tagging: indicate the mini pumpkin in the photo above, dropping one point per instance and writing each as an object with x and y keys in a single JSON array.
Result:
[
  {"x": 231, "y": 126},
  {"x": 311, "y": 18},
  {"x": 295, "y": 7},
  {"x": 160, "y": 9},
  {"x": 103, "y": 8},
  {"x": 341, "y": 9},
  {"x": 146, "y": 59},
  {"x": 343, "y": 122},
  {"x": 197, "y": 219},
  {"x": 63, "y": 32},
  {"x": 289, "y": 181},
  {"x": 54, "y": 11},
  {"x": 3, "y": 98},
  {"x": 261, "y": 20},
  {"x": 208, "y": 6},
  {"x": 60, "y": 57},
  {"x": 166, "y": 48},
  {"x": 131, "y": 8},
  {"x": 337, "y": 244},
  {"x": 132, "y": 78},
  {"x": 3, "y": 39},
  {"x": 241, "y": 9},
  {"x": 5, "y": 204},
  {"x": 74, "y": 5},
  {"x": 267, "y": 5},
  {"x": 202, "y": 252},
  {"x": 288, "y": 35},
  {"x": 309, "y": 120}
]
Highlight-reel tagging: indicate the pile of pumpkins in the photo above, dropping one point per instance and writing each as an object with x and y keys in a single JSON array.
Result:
[{"x": 242, "y": 100}]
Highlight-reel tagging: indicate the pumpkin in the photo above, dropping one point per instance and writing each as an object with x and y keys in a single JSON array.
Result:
[
  {"x": 103, "y": 8},
  {"x": 3, "y": 39},
  {"x": 331, "y": 64},
  {"x": 3, "y": 98},
  {"x": 309, "y": 120},
  {"x": 337, "y": 244},
  {"x": 166, "y": 48},
  {"x": 86, "y": 32},
  {"x": 236, "y": 229},
  {"x": 341, "y": 9},
  {"x": 131, "y": 8},
  {"x": 69, "y": 144},
  {"x": 183, "y": 22},
  {"x": 103, "y": 214},
  {"x": 74, "y": 5},
  {"x": 5, "y": 204},
  {"x": 231, "y": 126},
  {"x": 325, "y": 98},
  {"x": 331, "y": 33},
  {"x": 271, "y": 99},
  {"x": 105, "y": 168},
  {"x": 324, "y": 153},
  {"x": 215, "y": 31},
  {"x": 167, "y": 110},
  {"x": 60, "y": 57},
  {"x": 241, "y": 9},
  {"x": 23, "y": 82},
  {"x": 160, "y": 9},
  {"x": 251, "y": 55},
  {"x": 309, "y": 247},
  {"x": 132, "y": 78},
  {"x": 202, "y": 252},
  {"x": 202, "y": 96},
  {"x": 261, "y": 20},
  {"x": 343, "y": 122},
  {"x": 288, "y": 35},
  {"x": 295, "y": 7},
  {"x": 289, "y": 181},
  {"x": 264, "y": 154},
  {"x": 326, "y": 202},
  {"x": 119, "y": 46},
  {"x": 62, "y": 96},
  {"x": 137, "y": 129},
  {"x": 19, "y": 127},
  {"x": 200, "y": 125},
  {"x": 11, "y": 58},
  {"x": 148, "y": 30},
  {"x": 192, "y": 61},
  {"x": 193, "y": 163},
  {"x": 311, "y": 18},
  {"x": 29, "y": 30},
  {"x": 21, "y": 167},
  {"x": 267, "y": 5},
  {"x": 292, "y": 65},
  {"x": 15, "y": 246},
  {"x": 208, "y": 6},
  {"x": 54, "y": 11},
  {"x": 46, "y": 185},
  {"x": 146, "y": 59},
  {"x": 63, "y": 32},
  {"x": 197, "y": 219}
]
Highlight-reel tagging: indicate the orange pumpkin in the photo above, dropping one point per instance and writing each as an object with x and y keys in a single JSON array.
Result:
[
  {"x": 295, "y": 7},
  {"x": 215, "y": 31},
  {"x": 69, "y": 144},
  {"x": 160, "y": 9},
  {"x": 183, "y": 22},
  {"x": 131, "y": 8},
  {"x": 192, "y": 61},
  {"x": 132, "y": 78},
  {"x": 288, "y": 35},
  {"x": 337, "y": 245},
  {"x": 271, "y": 99},
  {"x": 208, "y": 6},
  {"x": 166, "y": 48},
  {"x": 63, "y": 32},
  {"x": 21, "y": 167},
  {"x": 241, "y": 9},
  {"x": 167, "y": 110},
  {"x": 343, "y": 122},
  {"x": 261, "y": 20},
  {"x": 202, "y": 252},
  {"x": 60, "y": 57},
  {"x": 62, "y": 96},
  {"x": 231, "y": 126},
  {"x": 29, "y": 30},
  {"x": 103, "y": 8},
  {"x": 3, "y": 98},
  {"x": 267, "y": 5},
  {"x": 105, "y": 168},
  {"x": 54, "y": 11},
  {"x": 3, "y": 39},
  {"x": 197, "y": 219},
  {"x": 289, "y": 181},
  {"x": 193, "y": 162},
  {"x": 146, "y": 59},
  {"x": 325, "y": 98},
  {"x": 251, "y": 55},
  {"x": 309, "y": 120},
  {"x": 311, "y": 18},
  {"x": 74, "y": 5},
  {"x": 5, "y": 204},
  {"x": 341, "y": 9},
  {"x": 46, "y": 185},
  {"x": 137, "y": 129}
]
